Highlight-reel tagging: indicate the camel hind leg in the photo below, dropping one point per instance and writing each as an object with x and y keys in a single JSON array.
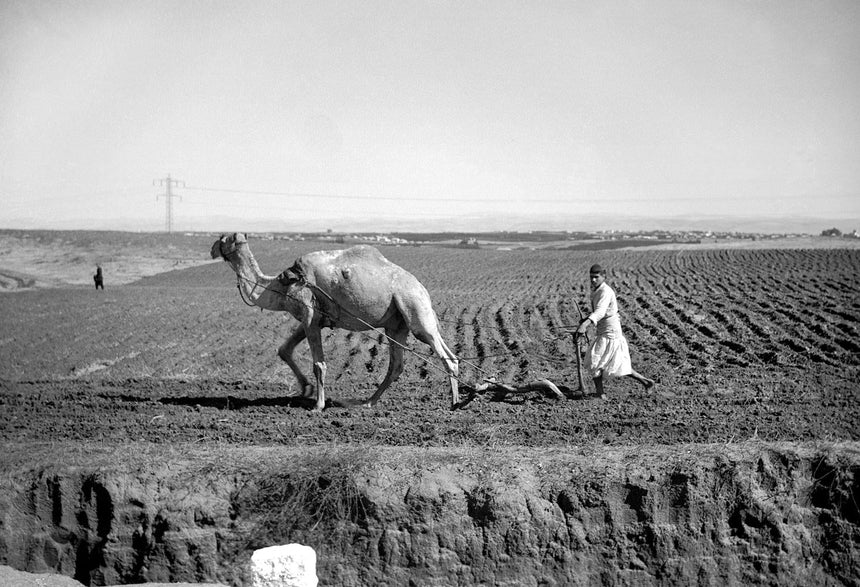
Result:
[
  {"x": 417, "y": 311},
  {"x": 452, "y": 364},
  {"x": 431, "y": 337},
  {"x": 396, "y": 344}
]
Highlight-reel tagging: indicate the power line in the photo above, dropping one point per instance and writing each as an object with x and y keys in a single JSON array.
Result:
[
  {"x": 524, "y": 200},
  {"x": 337, "y": 196},
  {"x": 388, "y": 198},
  {"x": 287, "y": 208}
]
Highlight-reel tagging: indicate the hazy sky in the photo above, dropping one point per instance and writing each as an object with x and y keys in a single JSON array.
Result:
[{"x": 401, "y": 111}]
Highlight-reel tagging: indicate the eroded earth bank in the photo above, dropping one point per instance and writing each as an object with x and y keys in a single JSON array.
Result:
[{"x": 751, "y": 513}]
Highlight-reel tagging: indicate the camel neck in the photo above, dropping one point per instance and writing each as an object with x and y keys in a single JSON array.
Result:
[{"x": 255, "y": 285}]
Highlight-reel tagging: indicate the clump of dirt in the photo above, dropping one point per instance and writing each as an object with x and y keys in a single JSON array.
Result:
[{"x": 766, "y": 514}]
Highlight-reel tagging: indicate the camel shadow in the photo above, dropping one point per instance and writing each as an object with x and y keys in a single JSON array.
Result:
[
  {"x": 469, "y": 394},
  {"x": 233, "y": 403}
]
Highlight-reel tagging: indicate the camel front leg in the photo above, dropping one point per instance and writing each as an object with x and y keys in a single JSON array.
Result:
[
  {"x": 315, "y": 342},
  {"x": 395, "y": 362},
  {"x": 286, "y": 353}
]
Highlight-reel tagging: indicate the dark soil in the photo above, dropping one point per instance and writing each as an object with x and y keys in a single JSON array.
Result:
[{"x": 743, "y": 344}]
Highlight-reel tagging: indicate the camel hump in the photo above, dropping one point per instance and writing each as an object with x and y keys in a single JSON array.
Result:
[
  {"x": 362, "y": 281},
  {"x": 365, "y": 253},
  {"x": 343, "y": 264}
]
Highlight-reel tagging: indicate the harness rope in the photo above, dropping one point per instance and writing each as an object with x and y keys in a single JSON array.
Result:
[
  {"x": 425, "y": 358},
  {"x": 312, "y": 287},
  {"x": 242, "y": 294}
]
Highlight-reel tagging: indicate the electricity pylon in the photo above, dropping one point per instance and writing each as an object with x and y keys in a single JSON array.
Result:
[{"x": 168, "y": 197}]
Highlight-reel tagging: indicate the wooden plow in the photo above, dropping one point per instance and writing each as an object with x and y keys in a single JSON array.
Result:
[
  {"x": 545, "y": 386},
  {"x": 500, "y": 390}
]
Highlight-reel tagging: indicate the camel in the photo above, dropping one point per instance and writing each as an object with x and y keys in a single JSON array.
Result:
[{"x": 354, "y": 289}]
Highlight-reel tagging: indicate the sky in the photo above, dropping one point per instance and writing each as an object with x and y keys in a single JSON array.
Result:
[{"x": 429, "y": 115}]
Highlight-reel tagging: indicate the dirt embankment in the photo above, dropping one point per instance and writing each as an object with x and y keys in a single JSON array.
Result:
[{"x": 753, "y": 513}]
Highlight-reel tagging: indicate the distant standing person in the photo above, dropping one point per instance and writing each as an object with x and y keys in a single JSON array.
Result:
[
  {"x": 609, "y": 354},
  {"x": 99, "y": 277}
]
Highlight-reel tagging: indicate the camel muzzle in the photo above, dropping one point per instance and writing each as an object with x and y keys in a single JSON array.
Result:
[{"x": 218, "y": 248}]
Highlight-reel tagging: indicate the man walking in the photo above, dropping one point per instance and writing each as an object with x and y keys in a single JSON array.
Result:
[
  {"x": 609, "y": 354},
  {"x": 98, "y": 278}
]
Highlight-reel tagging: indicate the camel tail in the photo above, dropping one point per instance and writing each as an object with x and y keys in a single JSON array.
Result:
[
  {"x": 451, "y": 360},
  {"x": 449, "y": 354},
  {"x": 444, "y": 346}
]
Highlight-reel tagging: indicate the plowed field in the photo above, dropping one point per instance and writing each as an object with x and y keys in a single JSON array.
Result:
[{"x": 743, "y": 343}]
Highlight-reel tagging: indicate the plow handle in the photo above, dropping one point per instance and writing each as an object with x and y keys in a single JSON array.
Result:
[{"x": 577, "y": 350}]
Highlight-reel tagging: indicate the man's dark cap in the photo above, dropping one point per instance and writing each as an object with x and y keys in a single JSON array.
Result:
[{"x": 597, "y": 269}]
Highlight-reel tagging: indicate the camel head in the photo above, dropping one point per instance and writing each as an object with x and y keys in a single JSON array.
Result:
[{"x": 228, "y": 244}]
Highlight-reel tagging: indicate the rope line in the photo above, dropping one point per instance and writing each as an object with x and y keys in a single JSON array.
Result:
[{"x": 425, "y": 358}]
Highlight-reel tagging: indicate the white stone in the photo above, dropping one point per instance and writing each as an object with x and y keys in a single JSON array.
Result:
[{"x": 288, "y": 565}]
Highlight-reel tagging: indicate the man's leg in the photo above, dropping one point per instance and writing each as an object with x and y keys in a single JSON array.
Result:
[
  {"x": 647, "y": 383},
  {"x": 598, "y": 385}
]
